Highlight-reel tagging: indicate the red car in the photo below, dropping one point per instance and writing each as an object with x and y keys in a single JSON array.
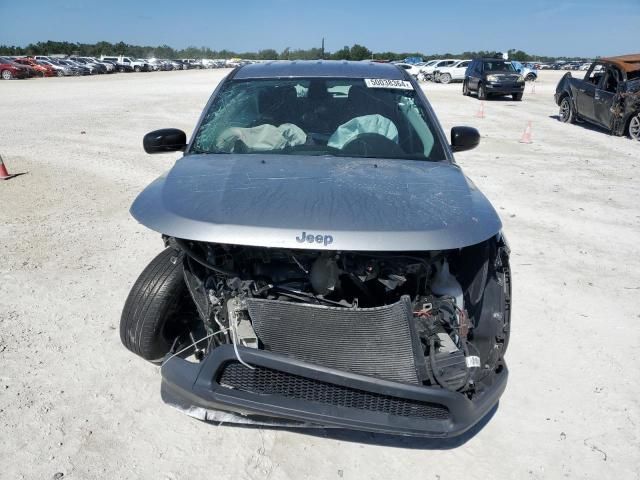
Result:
[
  {"x": 10, "y": 69},
  {"x": 40, "y": 69}
]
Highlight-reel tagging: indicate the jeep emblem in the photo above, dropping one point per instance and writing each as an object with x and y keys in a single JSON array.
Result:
[{"x": 325, "y": 240}]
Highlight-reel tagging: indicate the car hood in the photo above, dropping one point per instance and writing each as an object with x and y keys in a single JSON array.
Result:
[{"x": 314, "y": 202}]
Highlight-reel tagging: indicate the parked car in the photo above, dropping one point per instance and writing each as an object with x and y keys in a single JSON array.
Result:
[
  {"x": 608, "y": 96},
  {"x": 10, "y": 69},
  {"x": 326, "y": 260},
  {"x": 127, "y": 64},
  {"x": 493, "y": 76},
  {"x": 411, "y": 69},
  {"x": 422, "y": 76},
  {"x": 94, "y": 68},
  {"x": 157, "y": 64},
  {"x": 41, "y": 70},
  {"x": 67, "y": 67},
  {"x": 109, "y": 67},
  {"x": 454, "y": 72},
  {"x": 429, "y": 69},
  {"x": 193, "y": 63},
  {"x": 529, "y": 73}
]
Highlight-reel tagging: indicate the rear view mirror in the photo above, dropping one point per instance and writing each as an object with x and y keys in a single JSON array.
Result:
[
  {"x": 165, "y": 140},
  {"x": 464, "y": 138}
]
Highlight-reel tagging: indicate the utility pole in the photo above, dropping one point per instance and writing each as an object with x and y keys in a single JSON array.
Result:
[{"x": 322, "y": 54}]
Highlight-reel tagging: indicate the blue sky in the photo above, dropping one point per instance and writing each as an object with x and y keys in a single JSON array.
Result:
[{"x": 544, "y": 27}]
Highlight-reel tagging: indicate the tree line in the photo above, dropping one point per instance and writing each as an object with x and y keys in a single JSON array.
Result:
[{"x": 355, "y": 52}]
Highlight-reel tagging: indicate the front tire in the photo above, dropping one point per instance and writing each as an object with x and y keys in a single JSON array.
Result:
[
  {"x": 465, "y": 89},
  {"x": 567, "y": 113},
  {"x": 634, "y": 127},
  {"x": 517, "y": 96},
  {"x": 445, "y": 78},
  {"x": 482, "y": 93},
  {"x": 7, "y": 75},
  {"x": 530, "y": 77},
  {"x": 154, "y": 312},
  {"x": 136, "y": 69}
]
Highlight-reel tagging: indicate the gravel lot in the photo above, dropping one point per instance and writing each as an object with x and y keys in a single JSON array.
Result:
[{"x": 74, "y": 401}]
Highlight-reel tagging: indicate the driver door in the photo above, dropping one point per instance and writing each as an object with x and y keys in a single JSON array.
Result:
[
  {"x": 605, "y": 93},
  {"x": 586, "y": 91}
]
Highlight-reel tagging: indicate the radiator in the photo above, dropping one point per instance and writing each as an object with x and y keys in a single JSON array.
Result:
[{"x": 376, "y": 342}]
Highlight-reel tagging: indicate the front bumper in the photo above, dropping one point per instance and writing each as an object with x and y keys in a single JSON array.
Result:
[
  {"x": 286, "y": 388},
  {"x": 504, "y": 87}
]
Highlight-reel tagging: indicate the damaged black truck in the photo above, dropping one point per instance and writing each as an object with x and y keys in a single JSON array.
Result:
[{"x": 608, "y": 96}]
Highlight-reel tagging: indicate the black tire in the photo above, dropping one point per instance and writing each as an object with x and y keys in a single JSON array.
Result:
[
  {"x": 517, "y": 96},
  {"x": 530, "y": 77},
  {"x": 567, "y": 113},
  {"x": 444, "y": 78},
  {"x": 60, "y": 73},
  {"x": 154, "y": 312},
  {"x": 465, "y": 89},
  {"x": 482, "y": 93},
  {"x": 136, "y": 69},
  {"x": 6, "y": 75}
]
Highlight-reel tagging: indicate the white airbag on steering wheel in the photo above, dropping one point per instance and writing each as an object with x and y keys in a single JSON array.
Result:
[{"x": 364, "y": 124}]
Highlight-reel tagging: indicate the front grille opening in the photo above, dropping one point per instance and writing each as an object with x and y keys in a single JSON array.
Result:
[{"x": 265, "y": 381}]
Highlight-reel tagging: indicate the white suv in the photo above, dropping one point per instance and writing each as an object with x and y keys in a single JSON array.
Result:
[
  {"x": 429, "y": 69},
  {"x": 455, "y": 71}
]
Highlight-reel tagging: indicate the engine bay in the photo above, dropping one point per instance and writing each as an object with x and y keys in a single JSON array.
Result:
[{"x": 445, "y": 314}]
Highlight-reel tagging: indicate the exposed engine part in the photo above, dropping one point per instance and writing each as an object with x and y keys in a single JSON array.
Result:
[
  {"x": 340, "y": 309},
  {"x": 325, "y": 275},
  {"x": 237, "y": 311}
]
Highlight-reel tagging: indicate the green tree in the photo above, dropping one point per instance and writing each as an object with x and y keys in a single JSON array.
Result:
[{"x": 343, "y": 54}]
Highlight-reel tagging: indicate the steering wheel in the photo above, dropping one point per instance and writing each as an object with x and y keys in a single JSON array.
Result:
[{"x": 372, "y": 144}]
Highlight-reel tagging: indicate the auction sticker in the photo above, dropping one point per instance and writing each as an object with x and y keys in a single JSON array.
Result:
[
  {"x": 472, "y": 361},
  {"x": 387, "y": 83}
]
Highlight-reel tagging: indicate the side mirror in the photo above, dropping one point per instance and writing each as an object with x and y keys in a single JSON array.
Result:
[
  {"x": 464, "y": 138},
  {"x": 165, "y": 140}
]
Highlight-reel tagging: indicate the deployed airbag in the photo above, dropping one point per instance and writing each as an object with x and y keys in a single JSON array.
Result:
[
  {"x": 262, "y": 137},
  {"x": 364, "y": 124}
]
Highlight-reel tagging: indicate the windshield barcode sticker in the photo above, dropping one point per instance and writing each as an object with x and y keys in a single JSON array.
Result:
[
  {"x": 387, "y": 83},
  {"x": 473, "y": 361}
]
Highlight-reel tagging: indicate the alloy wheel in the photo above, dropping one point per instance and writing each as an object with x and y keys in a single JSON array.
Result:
[
  {"x": 565, "y": 110},
  {"x": 634, "y": 127}
]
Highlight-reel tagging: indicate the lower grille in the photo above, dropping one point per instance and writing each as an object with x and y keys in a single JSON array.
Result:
[
  {"x": 265, "y": 381},
  {"x": 377, "y": 341}
]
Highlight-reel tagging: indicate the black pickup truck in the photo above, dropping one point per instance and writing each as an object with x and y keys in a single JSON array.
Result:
[{"x": 608, "y": 96}]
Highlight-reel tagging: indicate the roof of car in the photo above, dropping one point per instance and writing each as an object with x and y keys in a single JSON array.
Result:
[
  {"x": 320, "y": 68},
  {"x": 628, "y": 63}
]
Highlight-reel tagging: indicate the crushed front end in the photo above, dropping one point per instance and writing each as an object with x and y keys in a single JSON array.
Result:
[{"x": 407, "y": 343}]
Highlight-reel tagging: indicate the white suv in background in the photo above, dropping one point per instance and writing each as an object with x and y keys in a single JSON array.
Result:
[
  {"x": 411, "y": 69},
  {"x": 453, "y": 72},
  {"x": 429, "y": 69}
]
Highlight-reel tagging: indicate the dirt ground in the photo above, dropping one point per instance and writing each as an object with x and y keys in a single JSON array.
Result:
[{"x": 74, "y": 402}]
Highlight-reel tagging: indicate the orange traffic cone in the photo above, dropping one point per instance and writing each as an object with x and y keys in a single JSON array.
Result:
[
  {"x": 4, "y": 174},
  {"x": 526, "y": 135},
  {"x": 480, "y": 113}
]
